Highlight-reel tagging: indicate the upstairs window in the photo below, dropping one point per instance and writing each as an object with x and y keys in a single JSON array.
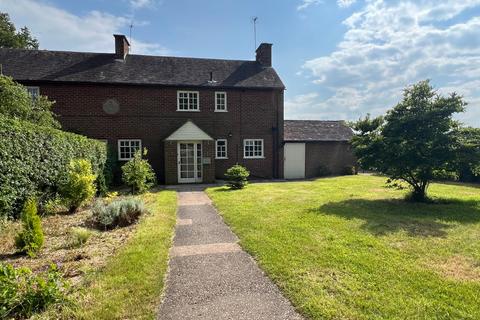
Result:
[
  {"x": 220, "y": 101},
  {"x": 187, "y": 101},
  {"x": 128, "y": 147},
  {"x": 221, "y": 149},
  {"x": 34, "y": 92},
  {"x": 253, "y": 149}
]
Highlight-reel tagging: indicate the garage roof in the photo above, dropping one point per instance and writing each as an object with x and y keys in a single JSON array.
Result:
[{"x": 316, "y": 130}]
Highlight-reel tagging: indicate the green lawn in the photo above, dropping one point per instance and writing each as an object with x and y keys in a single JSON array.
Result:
[
  {"x": 349, "y": 248},
  {"x": 131, "y": 285}
]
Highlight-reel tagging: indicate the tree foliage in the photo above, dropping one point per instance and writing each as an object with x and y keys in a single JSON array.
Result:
[
  {"x": 10, "y": 38},
  {"x": 414, "y": 141},
  {"x": 16, "y": 102},
  {"x": 467, "y": 164}
]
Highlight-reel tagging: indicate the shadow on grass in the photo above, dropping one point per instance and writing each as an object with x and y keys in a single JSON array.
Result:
[
  {"x": 458, "y": 183},
  {"x": 226, "y": 189},
  {"x": 417, "y": 219}
]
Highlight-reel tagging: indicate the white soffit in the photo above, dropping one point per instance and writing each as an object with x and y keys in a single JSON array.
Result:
[{"x": 189, "y": 131}]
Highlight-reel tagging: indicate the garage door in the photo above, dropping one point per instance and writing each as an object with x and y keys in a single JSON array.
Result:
[{"x": 294, "y": 162}]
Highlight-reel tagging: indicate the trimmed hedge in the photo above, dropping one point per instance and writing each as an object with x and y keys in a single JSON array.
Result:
[{"x": 33, "y": 161}]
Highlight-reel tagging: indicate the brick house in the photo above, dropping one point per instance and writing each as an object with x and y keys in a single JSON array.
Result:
[{"x": 196, "y": 117}]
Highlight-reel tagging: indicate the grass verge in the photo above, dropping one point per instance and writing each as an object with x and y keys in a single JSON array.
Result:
[
  {"x": 131, "y": 284},
  {"x": 349, "y": 248}
]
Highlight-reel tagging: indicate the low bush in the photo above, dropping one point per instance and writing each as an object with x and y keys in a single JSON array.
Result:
[
  {"x": 122, "y": 212},
  {"x": 51, "y": 206},
  {"x": 349, "y": 171},
  {"x": 33, "y": 161},
  {"x": 78, "y": 237},
  {"x": 79, "y": 185},
  {"x": 30, "y": 239},
  {"x": 22, "y": 294},
  {"x": 110, "y": 196},
  {"x": 237, "y": 177},
  {"x": 138, "y": 174},
  {"x": 445, "y": 175}
]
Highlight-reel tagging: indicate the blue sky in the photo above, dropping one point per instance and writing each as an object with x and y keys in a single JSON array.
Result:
[{"x": 340, "y": 59}]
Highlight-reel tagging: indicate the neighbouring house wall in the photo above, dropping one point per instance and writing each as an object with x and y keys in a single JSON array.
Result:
[
  {"x": 333, "y": 155},
  {"x": 149, "y": 113}
]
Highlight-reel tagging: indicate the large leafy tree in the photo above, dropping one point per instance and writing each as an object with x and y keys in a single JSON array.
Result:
[
  {"x": 414, "y": 141},
  {"x": 16, "y": 102},
  {"x": 467, "y": 164},
  {"x": 10, "y": 38}
]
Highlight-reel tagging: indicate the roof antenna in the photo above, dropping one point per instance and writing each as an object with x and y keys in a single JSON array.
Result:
[
  {"x": 254, "y": 20},
  {"x": 131, "y": 27}
]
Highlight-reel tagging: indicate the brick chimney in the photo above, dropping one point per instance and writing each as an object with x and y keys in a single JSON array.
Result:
[
  {"x": 264, "y": 54},
  {"x": 121, "y": 46}
]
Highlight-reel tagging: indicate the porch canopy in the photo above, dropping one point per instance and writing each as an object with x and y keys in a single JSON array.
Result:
[{"x": 189, "y": 131}]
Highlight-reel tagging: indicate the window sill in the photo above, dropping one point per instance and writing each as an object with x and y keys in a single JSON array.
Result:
[
  {"x": 250, "y": 158},
  {"x": 188, "y": 110},
  {"x": 224, "y": 111},
  {"x": 221, "y": 158}
]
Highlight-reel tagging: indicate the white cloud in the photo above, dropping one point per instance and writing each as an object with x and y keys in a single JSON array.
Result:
[
  {"x": 345, "y": 3},
  {"x": 301, "y": 101},
  {"x": 137, "y": 4},
  {"x": 389, "y": 46},
  {"x": 57, "y": 29},
  {"x": 307, "y": 3}
]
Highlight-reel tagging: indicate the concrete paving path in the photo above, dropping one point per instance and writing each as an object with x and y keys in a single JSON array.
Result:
[{"x": 210, "y": 276}]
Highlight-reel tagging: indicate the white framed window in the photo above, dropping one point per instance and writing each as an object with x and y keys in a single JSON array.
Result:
[
  {"x": 34, "y": 92},
  {"x": 220, "y": 101},
  {"x": 188, "y": 101},
  {"x": 253, "y": 149},
  {"x": 127, "y": 148},
  {"x": 221, "y": 149}
]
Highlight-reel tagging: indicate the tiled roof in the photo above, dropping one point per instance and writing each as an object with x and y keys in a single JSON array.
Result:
[
  {"x": 316, "y": 130},
  {"x": 43, "y": 65}
]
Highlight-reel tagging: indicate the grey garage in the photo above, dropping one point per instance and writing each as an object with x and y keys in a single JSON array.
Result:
[{"x": 314, "y": 148}]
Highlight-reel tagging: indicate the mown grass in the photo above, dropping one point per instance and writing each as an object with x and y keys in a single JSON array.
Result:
[
  {"x": 131, "y": 284},
  {"x": 349, "y": 248}
]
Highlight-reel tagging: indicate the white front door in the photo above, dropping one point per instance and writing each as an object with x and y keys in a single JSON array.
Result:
[
  {"x": 189, "y": 155},
  {"x": 294, "y": 162}
]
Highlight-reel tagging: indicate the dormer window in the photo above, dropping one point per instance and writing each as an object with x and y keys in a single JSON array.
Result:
[
  {"x": 220, "y": 101},
  {"x": 188, "y": 101},
  {"x": 34, "y": 92}
]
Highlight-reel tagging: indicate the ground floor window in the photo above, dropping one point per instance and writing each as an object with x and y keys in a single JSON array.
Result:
[
  {"x": 34, "y": 92},
  {"x": 127, "y": 148},
  {"x": 221, "y": 149},
  {"x": 253, "y": 148}
]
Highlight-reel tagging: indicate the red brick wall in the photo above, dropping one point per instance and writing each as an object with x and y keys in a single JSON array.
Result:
[
  {"x": 149, "y": 113},
  {"x": 333, "y": 155},
  {"x": 171, "y": 162}
]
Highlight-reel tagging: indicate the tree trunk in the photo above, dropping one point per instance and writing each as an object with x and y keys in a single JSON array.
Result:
[{"x": 419, "y": 193}]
